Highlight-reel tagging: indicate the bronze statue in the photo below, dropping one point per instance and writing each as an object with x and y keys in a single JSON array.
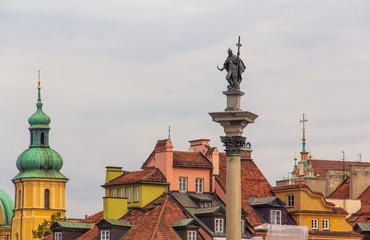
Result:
[{"x": 234, "y": 67}]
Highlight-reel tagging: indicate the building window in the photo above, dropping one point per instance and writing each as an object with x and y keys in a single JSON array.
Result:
[
  {"x": 58, "y": 236},
  {"x": 275, "y": 217},
  {"x": 19, "y": 199},
  {"x": 242, "y": 226},
  {"x": 192, "y": 235},
  {"x": 112, "y": 193},
  {"x": 120, "y": 193},
  {"x": 128, "y": 194},
  {"x": 206, "y": 205},
  {"x": 199, "y": 185},
  {"x": 183, "y": 187},
  {"x": 47, "y": 199},
  {"x": 315, "y": 223},
  {"x": 290, "y": 200},
  {"x": 136, "y": 194},
  {"x": 42, "y": 138},
  {"x": 325, "y": 224},
  {"x": 104, "y": 235},
  {"x": 219, "y": 225}
]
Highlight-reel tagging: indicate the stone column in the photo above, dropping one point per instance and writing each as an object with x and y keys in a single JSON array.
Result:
[{"x": 233, "y": 120}]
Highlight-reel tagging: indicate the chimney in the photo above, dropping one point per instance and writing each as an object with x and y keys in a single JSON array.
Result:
[
  {"x": 112, "y": 172},
  {"x": 199, "y": 145}
]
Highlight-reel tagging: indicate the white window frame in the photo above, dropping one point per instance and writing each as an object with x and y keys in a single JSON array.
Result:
[
  {"x": 315, "y": 224},
  {"x": 199, "y": 185},
  {"x": 275, "y": 217},
  {"x": 192, "y": 235},
  {"x": 104, "y": 235},
  {"x": 183, "y": 184},
  {"x": 325, "y": 224},
  {"x": 242, "y": 226},
  {"x": 58, "y": 236},
  {"x": 136, "y": 194},
  {"x": 290, "y": 200},
  {"x": 219, "y": 225},
  {"x": 207, "y": 204},
  {"x": 120, "y": 193},
  {"x": 112, "y": 192},
  {"x": 128, "y": 194}
]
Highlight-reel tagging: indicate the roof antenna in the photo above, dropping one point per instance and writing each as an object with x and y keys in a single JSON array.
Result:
[
  {"x": 169, "y": 131},
  {"x": 343, "y": 157}
]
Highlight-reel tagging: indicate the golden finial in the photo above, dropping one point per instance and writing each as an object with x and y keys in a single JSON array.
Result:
[{"x": 39, "y": 84}]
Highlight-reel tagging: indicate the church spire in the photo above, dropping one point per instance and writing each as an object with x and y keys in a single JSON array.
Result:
[{"x": 304, "y": 153}]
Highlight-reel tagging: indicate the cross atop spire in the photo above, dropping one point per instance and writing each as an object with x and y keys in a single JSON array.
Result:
[{"x": 303, "y": 121}]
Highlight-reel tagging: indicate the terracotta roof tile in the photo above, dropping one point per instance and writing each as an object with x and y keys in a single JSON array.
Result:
[
  {"x": 342, "y": 191},
  {"x": 153, "y": 175},
  {"x": 253, "y": 184},
  {"x": 93, "y": 233},
  {"x": 362, "y": 215},
  {"x": 155, "y": 222},
  {"x": 320, "y": 166},
  {"x": 190, "y": 159}
]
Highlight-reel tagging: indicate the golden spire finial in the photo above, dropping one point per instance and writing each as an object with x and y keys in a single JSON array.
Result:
[{"x": 39, "y": 84}]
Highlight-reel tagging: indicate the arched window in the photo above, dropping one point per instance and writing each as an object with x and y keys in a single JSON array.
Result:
[
  {"x": 19, "y": 199},
  {"x": 47, "y": 199},
  {"x": 16, "y": 236},
  {"x": 42, "y": 138}
]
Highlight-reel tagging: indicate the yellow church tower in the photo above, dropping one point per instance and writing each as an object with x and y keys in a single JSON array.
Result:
[{"x": 39, "y": 185}]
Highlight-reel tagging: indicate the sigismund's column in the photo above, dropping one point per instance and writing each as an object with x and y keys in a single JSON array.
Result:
[{"x": 233, "y": 119}]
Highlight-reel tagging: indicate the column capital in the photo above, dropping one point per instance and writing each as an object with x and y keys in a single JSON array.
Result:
[{"x": 233, "y": 144}]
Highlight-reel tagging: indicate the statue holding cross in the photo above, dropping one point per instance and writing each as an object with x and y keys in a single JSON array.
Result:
[{"x": 234, "y": 67}]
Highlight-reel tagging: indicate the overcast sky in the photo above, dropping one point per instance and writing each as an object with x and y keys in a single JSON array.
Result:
[{"x": 116, "y": 74}]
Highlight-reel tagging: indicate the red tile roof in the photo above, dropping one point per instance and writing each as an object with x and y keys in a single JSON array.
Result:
[
  {"x": 362, "y": 215},
  {"x": 190, "y": 159},
  {"x": 155, "y": 220},
  {"x": 342, "y": 191},
  {"x": 93, "y": 233},
  {"x": 153, "y": 175},
  {"x": 320, "y": 166},
  {"x": 253, "y": 184}
]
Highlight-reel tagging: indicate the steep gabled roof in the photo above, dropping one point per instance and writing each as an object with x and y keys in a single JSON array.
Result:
[
  {"x": 153, "y": 175},
  {"x": 342, "y": 191},
  {"x": 253, "y": 184},
  {"x": 362, "y": 215},
  {"x": 190, "y": 159},
  {"x": 155, "y": 222}
]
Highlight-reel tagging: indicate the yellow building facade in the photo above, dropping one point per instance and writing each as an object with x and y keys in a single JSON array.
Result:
[
  {"x": 125, "y": 190},
  {"x": 40, "y": 187},
  {"x": 310, "y": 209}
]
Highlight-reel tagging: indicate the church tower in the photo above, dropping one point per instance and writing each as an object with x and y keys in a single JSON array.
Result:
[{"x": 39, "y": 185}]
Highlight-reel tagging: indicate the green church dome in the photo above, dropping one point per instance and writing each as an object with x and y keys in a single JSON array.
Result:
[
  {"x": 39, "y": 160},
  {"x": 7, "y": 206},
  {"x": 39, "y": 119}
]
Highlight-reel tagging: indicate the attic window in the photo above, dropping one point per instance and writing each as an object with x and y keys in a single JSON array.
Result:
[
  {"x": 58, "y": 236},
  {"x": 104, "y": 235},
  {"x": 191, "y": 235},
  {"x": 275, "y": 217}
]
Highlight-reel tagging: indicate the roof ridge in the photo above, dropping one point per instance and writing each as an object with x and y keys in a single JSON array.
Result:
[{"x": 160, "y": 215}]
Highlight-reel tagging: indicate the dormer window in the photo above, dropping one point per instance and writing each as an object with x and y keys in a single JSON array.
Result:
[
  {"x": 58, "y": 236},
  {"x": 104, "y": 235},
  {"x": 219, "y": 225},
  {"x": 192, "y": 235},
  {"x": 275, "y": 217}
]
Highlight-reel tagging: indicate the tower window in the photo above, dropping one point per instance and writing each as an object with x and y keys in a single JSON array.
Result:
[
  {"x": 31, "y": 138},
  {"x": 19, "y": 199},
  {"x": 47, "y": 199},
  {"x": 42, "y": 138}
]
